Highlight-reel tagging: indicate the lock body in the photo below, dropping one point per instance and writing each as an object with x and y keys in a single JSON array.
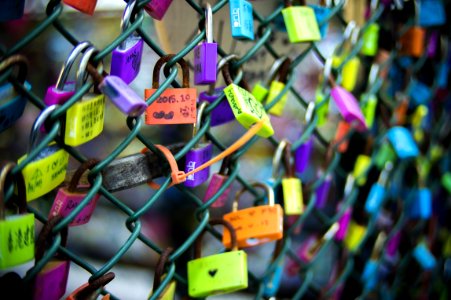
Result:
[
  {"x": 369, "y": 109},
  {"x": 321, "y": 106},
  {"x": 402, "y": 142},
  {"x": 241, "y": 19},
  {"x": 354, "y": 236},
  {"x": 205, "y": 59},
  {"x": 384, "y": 154},
  {"x": 12, "y": 105},
  {"x": 322, "y": 192},
  {"x": 370, "y": 40},
  {"x": 432, "y": 13},
  {"x": 260, "y": 92},
  {"x": 275, "y": 89},
  {"x": 369, "y": 275},
  {"x": 65, "y": 202},
  {"x": 247, "y": 110},
  {"x": 350, "y": 74},
  {"x": 16, "y": 240},
  {"x": 255, "y": 225},
  {"x": 216, "y": 182},
  {"x": 412, "y": 42},
  {"x": 46, "y": 172},
  {"x": 51, "y": 281},
  {"x": 56, "y": 96},
  {"x": 424, "y": 257},
  {"x": 361, "y": 166},
  {"x": 293, "y": 202},
  {"x": 343, "y": 225},
  {"x": 174, "y": 106},
  {"x": 302, "y": 156},
  {"x": 271, "y": 283},
  {"x": 348, "y": 107},
  {"x": 85, "y": 6},
  {"x": 84, "y": 120},
  {"x": 322, "y": 14},
  {"x": 375, "y": 197},
  {"x": 217, "y": 274},
  {"x": 222, "y": 113},
  {"x": 126, "y": 63},
  {"x": 420, "y": 93},
  {"x": 301, "y": 24},
  {"x": 157, "y": 8},
  {"x": 420, "y": 204},
  {"x": 195, "y": 158},
  {"x": 342, "y": 130}
]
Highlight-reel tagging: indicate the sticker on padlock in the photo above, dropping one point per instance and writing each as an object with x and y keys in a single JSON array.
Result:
[
  {"x": 354, "y": 236},
  {"x": 424, "y": 257},
  {"x": 276, "y": 87},
  {"x": 293, "y": 200},
  {"x": 261, "y": 89},
  {"x": 377, "y": 193},
  {"x": 157, "y": 8},
  {"x": 91, "y": 290},
  {"x": 402, "y": 142},
  {"x": 84, "y": 6},
  {"x": 68, "y": 198},
  {"x": 12, "y": 103},
  {"x": 206, "y": 53},
  {"x": 16, "y": 229},
  {"x": 168, "y": 292},
  {"x": 48, "y": 168},
  {"x": 51, "y": 281},
  {"x": 300, "y": 22},
  {"x": 220, "y": 273},
  {"x": 412, "y": 42},
  {"x": 85, "y": 118},
  {"x": 216, "y": 182},
  {"x": 126, "y": 59},
  {"x": 199, "y": 155},
  {"x": 241, "y": 19},
  {"x": 173, "y": 106},
  {"x": 60, "y": 92},
  {"x": 255, "y": 225},
  {"x": 271, "y": 282},
  {"x": 246, "y": 109}
]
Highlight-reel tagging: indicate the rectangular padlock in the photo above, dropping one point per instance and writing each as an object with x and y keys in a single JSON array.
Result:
[
  {"x": 420, "y": 204},
  {"x": 369, "y": 274},
  {"x": 293, "y": 202},
  {"x": 195, "y": 158},
  {"x": 51, "y": 281},
  {"x": 420, "y": 93},
  {"x": 157, "y": 8},
  {"x": 275, "y": 89},
  {"x": 362, "y": 164},
  {"x": 241, "y": 19},
  {"x": 431, "y": 13},
  {"x": 85, "y": 6},
  {"x": 259, "y": 92},
  {"x": 412, "y": 42},
  {"x": 216, "y": 182},
  {"x": 322, "y": 192},
  {"x": 302, "y": 155},
  {"x": 301, "y": 24},
  {"x": 354, "y": 236},
  {"x": 350, "y": 74},
  {"x": 369, "y": 104},
  {"x": 402, "y": 142},
  {"x": 126, "y": 59},
  {"x": 424, "y": 257},
  {"x": 322, "y": 14},
  {"x": 222, "y": 113},
  {"x": 321, "y": 107},
  {"x": 348, "y": 107},
  {"x": 342, "y": 130},
  {"x": 370, "y": 40},
  {"x": 343, "y": 225}
]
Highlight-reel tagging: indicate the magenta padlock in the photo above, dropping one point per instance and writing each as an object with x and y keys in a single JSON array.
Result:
[
  {"x": 68, "y": 198},
  {"x": 222, "y": 113},
  {"x": 216, "y": 182},
  {"x": 302, "y": 155},
  {"x": 432, "y": 45},
  {"x": 343, "y": 224},
  {"x": 157, "y": 8},
  {"x": 63, "y": 90},
  {"x": 126, "y": 59},
  {"x": 200, "y": 154},
  {"x": 393, "y": 244},
  {"x": 206, "y": 54},
  {"x": 322, "y": 192},
  {"x": 348, "y": 107}
]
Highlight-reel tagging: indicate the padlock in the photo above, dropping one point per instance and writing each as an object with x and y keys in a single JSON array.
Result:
[
  {"x": 206, "y": 54},
  {"x": 241, "y": 19},
  {"x": 16, "y": 230},
  {"x": 51, "y": 281},
  {"x": 126, "y": 59},
  {"x": 340, "y": 139},
  {"x": 85, "y": 118},
  {"x": 424, "y": 257},
  {"x": 384, "y": 154},
  {"x": 322, "y": 14},
  {"x": 301, "y": 23},
  {"x": 420, "y": 204},
  {"x": 12, "y": 103},
  {"x": 392, "y": 245},
  {"x": 157, "y": 8},
  {"x": 293, "y": 202},
  {"x": 69, "y": 197},
  {"x": 197, "y": 156},
  {"x": 420, "y": 93},
  {"x": 402, "y": 142},
  {"x": 271, "y": 282},
  {"x": 48, "y": 168},
  {"x": 432, "y": 44},
  {"x": 60, "y": 92},
  {"x": 322, "y": 191},
  {"x": 446, "y": 181},
  {"x": 168, "y": 292},
  {"x": 245, "y": 107},
  {"x": 370, "y": 40},
  {"x": 85, "y": 6},
  {"x": 92, "y": 289},
  {"x": 321, "y": 107},
  {"x": 412, "y": 42},
  {"x": 350, "y": 74},
  {"x": 431, "y": 13},
  {"x": 11, "y": 10},
  {"x": 173, "y": 106},
  {"x": 261, "y": 89},
  {"x": 276, "y": 87},
  {"x": 216, "y": 182},
  {"x": 302, "y": 155},
  {"x": 222, "y": 113},
  {"x": 343, "y": 224},
  {"x": 369, "y": 104},
  {"x": 369, "y": 276},
  {"x": 255, "y": 225},
  {"x": 377, "y": 193},
  {"x": 361, "y": 166},
  {"x": 354, "y": 236},
  {"x": 219, "y": 273}
]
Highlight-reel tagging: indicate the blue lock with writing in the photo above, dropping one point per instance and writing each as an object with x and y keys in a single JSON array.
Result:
[{"x": 241, "y": 19}]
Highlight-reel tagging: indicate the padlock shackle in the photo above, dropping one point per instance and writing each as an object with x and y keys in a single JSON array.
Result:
[
  {"x": 228, "y": 78},
  {"x": 88, "y": 290},
  {"x": 225, "y": 166},
  {"x": 277, "y": 158},
  {"x": 378, "y": 246},
  {"x": 219, "y": 66},
  {"x": 281, "y": 67},
  {"x": 289, "y": 161},
  {"x": 45, "y": 236},
  {"x": 159, "y": 269},
  {"x": 200, "y": 112},
  {"x": 20, "y": 185},
  {"x": 213, "y": 222},
  {"x": 209, "y": 32},
  {"x": 35, "y": 129},
  {"x": 328, "y": 235},
  {"x": 127, "y": 14},
  {"x": 86, "y": 67},
  {"x": 87, "y": 165},
  {"x": 161, "y": 62},
  {"x": 310, "y": 112},
  {"x": 19, "y": 60},
  {"x": 266, "y": 187},
  {"x": 70, "y": 60}
]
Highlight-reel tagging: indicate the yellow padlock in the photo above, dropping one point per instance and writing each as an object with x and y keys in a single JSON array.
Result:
[
  {"x": 261, "y": 89},
  {"x": 276, "y": 88},
  {"x": 354, "y": 236},
  {"x": 293, "y": 201}
]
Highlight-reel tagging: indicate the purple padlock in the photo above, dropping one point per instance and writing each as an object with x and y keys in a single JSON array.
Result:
[
  {"x": 343, "y": 224},
  {"x": 222, "y": 113},
  {"x": 432, "y": 44},
  {"x": 206, "y": 54},
  {"x": 216, "y": 182},
  {"x": 302, "y": 155},
  {"x": 51, "y": 282},
  {"x": 393, "y": 244},
  {"x": 126, "y": 59},
  {"x": 157, "y": 8},
  {"x": 322, "y": 192},
  {"x": 348, "y": 107}
]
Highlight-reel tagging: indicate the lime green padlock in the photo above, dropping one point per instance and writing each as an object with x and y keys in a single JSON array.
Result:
[
  {"x": 276, "y": 88},
  {"x": 362, "y": 164},
  {"x": 368, "y": 100},
  {"x": 261, "y": 89},
  {"x": 48, "y": 169},
  {"x": 16, "y": 230},
  {"x": 220, "y": 273},
  {"x": 301, "y": 23},
  {"x": 245, "y": 107},
  {"x": 354, "y": 236},
  {"x": 370, "y": 40}
]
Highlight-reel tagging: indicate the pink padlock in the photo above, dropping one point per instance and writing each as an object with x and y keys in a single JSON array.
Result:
[
  {"x": 349, "y": 107},
  {"x": 68, "y": 198},
  {"x": 216, "y": 182},
  {"x": 157, "y": 8},
  {"x": 343, "y": 224}
]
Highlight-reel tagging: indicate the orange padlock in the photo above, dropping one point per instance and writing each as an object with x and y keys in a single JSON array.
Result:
[
  {"x": 412, "y": 41},
  {"x": 342, "y": 130},
  {"x": 255, "y": 225},
  {"x": 85, "y": 6}
]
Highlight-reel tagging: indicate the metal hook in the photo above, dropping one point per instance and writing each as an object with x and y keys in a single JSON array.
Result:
[{"x": 125, "y": 21}]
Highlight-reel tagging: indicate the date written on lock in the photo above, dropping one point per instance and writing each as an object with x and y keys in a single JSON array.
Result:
[{"x": 177, "y": 106}]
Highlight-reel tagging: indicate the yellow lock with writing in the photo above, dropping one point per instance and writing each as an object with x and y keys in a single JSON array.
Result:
[{"x": 47, "y": 169}]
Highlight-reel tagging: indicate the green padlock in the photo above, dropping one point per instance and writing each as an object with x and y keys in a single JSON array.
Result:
[
  {"x": 368, "y": 99},
  {"x": 245, "y": 107},
  {"x": 370, "y": 40},
  {"x": 300, "y": 22},
  {"x": 446, "y": 182},
  {"x": 385, "y": 153},
  {"x": 276, "y": 88},
  {"x": 220, "y": 273},
  {"x": 261, "y": 89},
  {"x": 16, "y": 230}
]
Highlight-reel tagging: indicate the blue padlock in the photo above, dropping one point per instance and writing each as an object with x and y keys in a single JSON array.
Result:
[
  {"x": 431, "y": 13},
  {"x": 424, "y": 257},
  {"x": 241, "y": 20},
  {"x": 442, "y": 75},
  {"x": 321, "y": 14},
  {"x": 11, "y": 10},
  {"x": 402, "y": 142},
  {"x": 420, "y": 93},
  {"x": 377, "y": 193},
  {"x": 272, "y": 282},
  {"x": 420, "y": 204},
  {"x": 369, "y": 277},
  {"x": 12, "y": 103}
]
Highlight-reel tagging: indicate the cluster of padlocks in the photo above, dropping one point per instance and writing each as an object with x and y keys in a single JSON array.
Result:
[{"x": 380, "y": 192}]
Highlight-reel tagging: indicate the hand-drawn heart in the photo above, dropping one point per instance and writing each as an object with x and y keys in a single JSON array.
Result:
[
  {"x": 169, "y": 116},
  {"x": 212, "y": 273},
  {"x": 158, "y": 115}
]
